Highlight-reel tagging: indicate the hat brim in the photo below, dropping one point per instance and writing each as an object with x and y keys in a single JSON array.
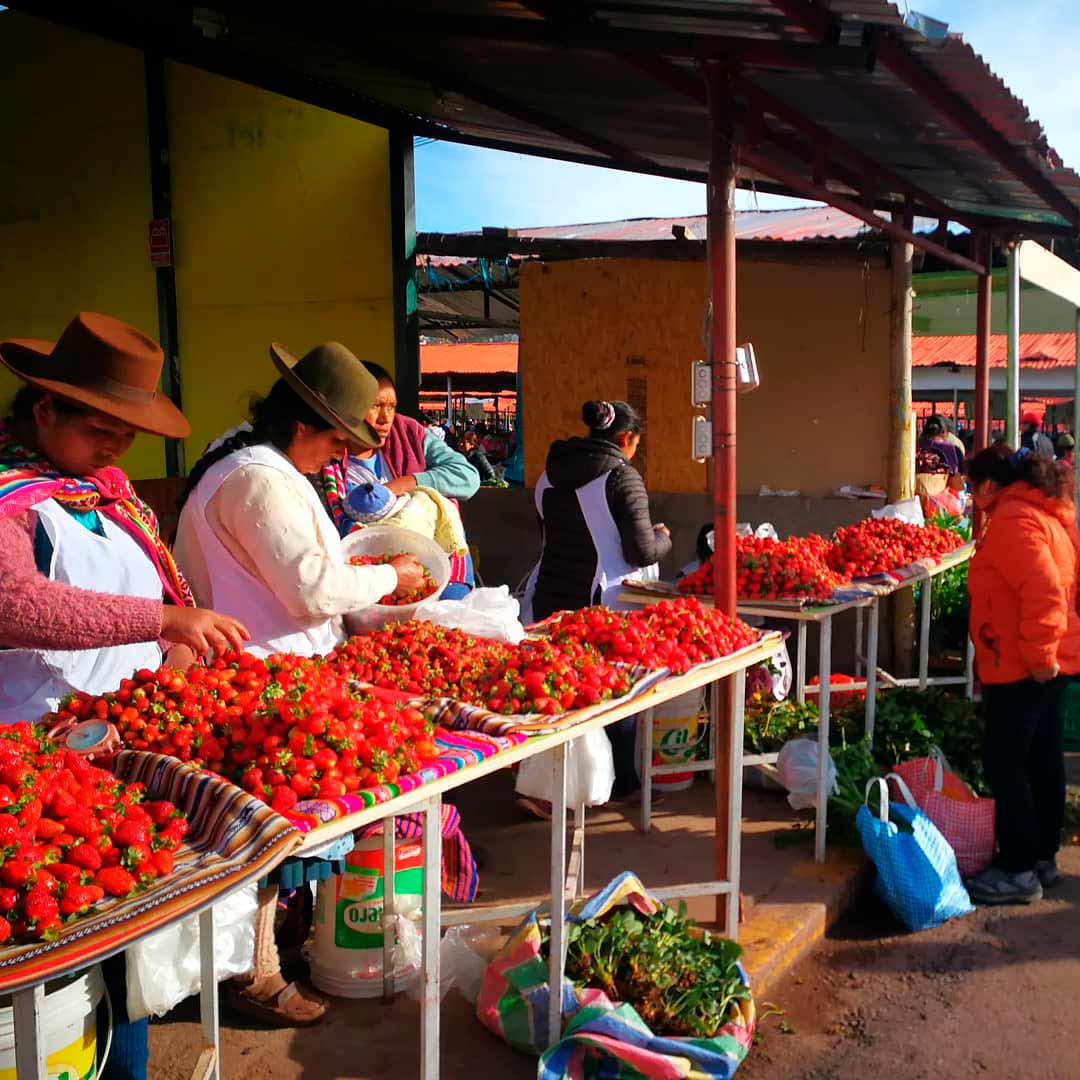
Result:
[
  {"x": 156, "y": 417},
  {"x": 362, "y": 431}
]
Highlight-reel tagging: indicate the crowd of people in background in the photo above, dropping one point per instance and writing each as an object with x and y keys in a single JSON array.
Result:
[{"x": 486, "y": 448}]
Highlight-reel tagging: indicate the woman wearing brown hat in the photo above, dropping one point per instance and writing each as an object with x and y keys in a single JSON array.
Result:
[
  {"x": 90, "y": 591},
  {"x": 256, "y": 540}
]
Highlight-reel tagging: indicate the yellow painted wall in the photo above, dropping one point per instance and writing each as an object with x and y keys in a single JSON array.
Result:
[
  {"x": 281, "y": 216},
  {"x": 74, "y": 191},
  {"x": 820, "y": 418}
]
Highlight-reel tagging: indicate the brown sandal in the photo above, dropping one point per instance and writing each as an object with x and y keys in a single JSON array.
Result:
[{"x": 278, "y": 1011}]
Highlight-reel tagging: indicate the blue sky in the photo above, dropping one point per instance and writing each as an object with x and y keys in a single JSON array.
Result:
[{"x": 1031, "y": 45}]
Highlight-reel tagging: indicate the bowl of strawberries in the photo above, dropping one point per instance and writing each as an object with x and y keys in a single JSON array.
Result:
[{"x": 379, "y": 544}]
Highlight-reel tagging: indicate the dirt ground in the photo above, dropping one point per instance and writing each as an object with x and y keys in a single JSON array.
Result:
[{"x": 991, "y": 995}]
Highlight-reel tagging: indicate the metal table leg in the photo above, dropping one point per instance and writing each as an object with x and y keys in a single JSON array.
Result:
[
  {"x": 800, "y": 662},
  {"x": 558, "y": 894},
  {"x": 646, "y": 723},
  {"x": 859, "y": 622},
  {"x": 924, "y": 633},
  {"x": 713, "y": 691},
  {"x": 389, "y": 926},
  {"x": 429, "y": 1007},
  {"x": 735, "y": 789},
  {"x": 872, "y": 667},
  {"x": 822, "y": 816},
  {"x": 29, "y": 1043},
  {"x": 575, "y": 874},
  {"x": 208, "y": 998}
]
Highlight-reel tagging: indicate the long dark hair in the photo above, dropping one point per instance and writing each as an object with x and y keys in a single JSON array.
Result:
[
  {"x": 273, "y": 420},
  {"x": 21, "y": 411},
  {"x": 1005, "y": 466},
  {"x": 608, "y": 419}
]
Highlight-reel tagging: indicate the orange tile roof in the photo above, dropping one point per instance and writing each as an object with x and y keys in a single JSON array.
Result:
[
  {"x": 469, "y": 358},
  {"x": 1039, "y": 352}
]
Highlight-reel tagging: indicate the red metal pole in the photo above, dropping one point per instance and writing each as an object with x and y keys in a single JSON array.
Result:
[
  {"x": 721, "y": 226},
  {"x": 982, "y": 346}
]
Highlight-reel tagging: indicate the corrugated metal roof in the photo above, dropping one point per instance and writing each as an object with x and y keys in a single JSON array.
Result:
[
  {"x": 619, "y": 83},
  {"x": 1038, "y": 352}
]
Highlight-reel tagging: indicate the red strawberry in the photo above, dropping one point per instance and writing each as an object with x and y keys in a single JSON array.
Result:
[
  {"x": 5, "y": 930},
  {"x": 163, "y": 862},
  {"x": 129, "y": 833},
  {"x": 283, "y": 799},
  {"x": 86, "y": 856},
  {"x": 47, "y": 829},
  {"x": 7, "y": 797},
  {"x": 39, "y": 906},
  {"x": 115, "y": 880},
  {"x": 160, "y": 812},
  {"x": 65, "y": 872},
  {"x": 16, "y": 873},
  {"x": 9, "y": 830},
  {"x": 63, "y": 805},
  {"x": 8, "y": 899},
  {"x": 175, "y": 830},
  {"x": 76, "y": 898}
]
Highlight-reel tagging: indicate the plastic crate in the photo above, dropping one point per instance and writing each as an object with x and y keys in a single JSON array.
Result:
[{"x": 1071, "y": 709}]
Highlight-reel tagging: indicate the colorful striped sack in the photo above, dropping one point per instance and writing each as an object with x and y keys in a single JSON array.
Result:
[{"x": 603, "y": 1039}]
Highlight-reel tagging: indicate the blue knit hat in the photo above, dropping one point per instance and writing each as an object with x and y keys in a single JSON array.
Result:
[{"x": 372, "y": 502}]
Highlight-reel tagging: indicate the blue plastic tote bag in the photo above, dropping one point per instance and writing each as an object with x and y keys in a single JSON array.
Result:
[{"x": 917, "y": 873}]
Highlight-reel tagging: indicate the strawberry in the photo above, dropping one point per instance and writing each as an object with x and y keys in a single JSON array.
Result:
[
  {"x": 86, "y": 857},
  {"x": 283, "y": 799},
  {"x": 77, "y": 898},
  {"x": 163, "y": 862},
  {"x": 8, "y": 899},
  {"x": 16, "y": 873},
  {"x": 130, "y": 832},
  {"x": 160, "y": 812},
  {"x": 5, "y": 930},
  {"x": 39, "y": 906},
  {"x": 9, "y": 830},
  {"x": 65, "y": 872},
  {"x": 48, "y": 829},
  {"x": 115, "y": 880}
]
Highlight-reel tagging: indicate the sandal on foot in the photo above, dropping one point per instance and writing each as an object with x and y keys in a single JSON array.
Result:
[{"x": 283, "y": 1010}]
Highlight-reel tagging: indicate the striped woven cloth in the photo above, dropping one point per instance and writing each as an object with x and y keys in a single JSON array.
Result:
[
  {"x": 234, "y": 839},
  {"x": 458, "y": 750},
  {"x": 603, "y": 1039}
]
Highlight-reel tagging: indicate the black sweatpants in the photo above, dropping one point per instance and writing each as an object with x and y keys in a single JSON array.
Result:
[{"x": 1024, "y": 758}]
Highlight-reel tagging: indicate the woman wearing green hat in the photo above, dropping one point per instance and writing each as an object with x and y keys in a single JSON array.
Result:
[{"x": 255, "y": 535}]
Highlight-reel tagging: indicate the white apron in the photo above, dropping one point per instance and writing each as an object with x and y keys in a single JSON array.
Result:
[
  {"x": 32, "y": 681},
  {"x": 234, "y": 590},
  {"x": 611, "y": 566}
]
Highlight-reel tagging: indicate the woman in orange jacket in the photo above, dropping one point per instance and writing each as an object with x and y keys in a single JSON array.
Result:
[{"x": 1024, "y": 623}]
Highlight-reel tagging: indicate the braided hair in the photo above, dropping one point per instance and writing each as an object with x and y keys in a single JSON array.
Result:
[{"x": 274, "y": 419}]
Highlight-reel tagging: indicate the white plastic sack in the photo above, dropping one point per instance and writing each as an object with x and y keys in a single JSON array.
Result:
[
  {"x": 464, "y": 954},
  {"x": 590, "y": 772},
  {"x": 165, "y": 968},
  {"x": 796, "y": 767},
  {"x": 488, "y": 613},
  {"x": 909, "y": 510}
]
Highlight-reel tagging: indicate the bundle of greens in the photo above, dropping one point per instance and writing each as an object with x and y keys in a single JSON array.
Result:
[
  {"x": 680, "y": 979},
  {"x": 768, "y": 725}
]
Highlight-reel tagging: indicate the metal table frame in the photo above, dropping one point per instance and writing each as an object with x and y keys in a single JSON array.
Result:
[
  {"x": 823, "y": 615},
  {"x": 27, "y": 1006},
  {"x": 566, "y": 883}
]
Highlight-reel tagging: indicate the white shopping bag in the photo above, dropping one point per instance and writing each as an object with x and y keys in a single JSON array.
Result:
[{"x": 590, "y": 772}]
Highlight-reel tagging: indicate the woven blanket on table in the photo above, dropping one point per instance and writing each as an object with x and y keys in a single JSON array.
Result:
[
  {"x": 886, "y": 582},
  {"x": 461, "y": 717},
  {"x": 234, "y": 839},
  {"x": 458, "y": 750}
]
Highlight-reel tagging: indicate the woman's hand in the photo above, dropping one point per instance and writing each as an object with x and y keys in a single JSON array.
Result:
[
  {"x": 1044, "y": 675},
  {"x": 201, "y": 630},
  {"x": 660, "y": 527},
  {"x": 410, "y": 574},
  {"x": 402, "y": 485},
  {"x": 180, "y": 658}
]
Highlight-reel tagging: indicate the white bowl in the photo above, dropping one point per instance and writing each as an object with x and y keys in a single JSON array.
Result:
[{"x": 390, "y": 540}]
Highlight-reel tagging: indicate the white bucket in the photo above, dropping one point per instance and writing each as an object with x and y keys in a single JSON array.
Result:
[
  {"x": 677, "y": 730},
  {"x": 68, "y": 1026},
  {"x": 390, "y": 540},
  {"x": 347, "y": 951}
]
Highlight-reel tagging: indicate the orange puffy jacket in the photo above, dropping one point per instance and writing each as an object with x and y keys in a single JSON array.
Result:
[{"x": 1022, "y": 584}]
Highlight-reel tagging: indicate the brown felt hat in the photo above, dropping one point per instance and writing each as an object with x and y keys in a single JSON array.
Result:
[
  {"x": 335, "y": 384},
  {"x": 104, "y": 364}
]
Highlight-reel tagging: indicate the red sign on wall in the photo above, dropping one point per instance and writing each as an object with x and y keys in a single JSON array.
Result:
[{"x": 160, "y": 242}]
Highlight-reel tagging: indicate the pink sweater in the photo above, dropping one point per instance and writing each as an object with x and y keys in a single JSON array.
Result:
[{"x": 37, "y": 613}]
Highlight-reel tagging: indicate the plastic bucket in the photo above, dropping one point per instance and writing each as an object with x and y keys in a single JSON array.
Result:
[
  {"x": 347, "y": 952},
  {"x": 677, "y": 730},
  {"x": 390, "y": 540},
  {"x": 68, "y": 1026}
]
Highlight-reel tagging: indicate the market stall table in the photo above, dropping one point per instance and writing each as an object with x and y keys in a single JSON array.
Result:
[
  {"x": 220, "y": 860},
  {"x": 427, "y": 800}
]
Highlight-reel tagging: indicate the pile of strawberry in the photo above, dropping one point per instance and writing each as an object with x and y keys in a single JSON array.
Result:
[
  {"x": 71, "y": 835},
  {"x": 771, "y": 569},
  {"x": 674, "y": 634},
  {"x": 881, "y": 545},
  {"x": 285, "y": 728},
  {"x": 534, "y": 676},
  {"x": 426, "y": 588}
]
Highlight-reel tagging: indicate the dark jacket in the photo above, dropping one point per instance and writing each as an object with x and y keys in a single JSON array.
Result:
[{"x": 569, "y": 559}]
